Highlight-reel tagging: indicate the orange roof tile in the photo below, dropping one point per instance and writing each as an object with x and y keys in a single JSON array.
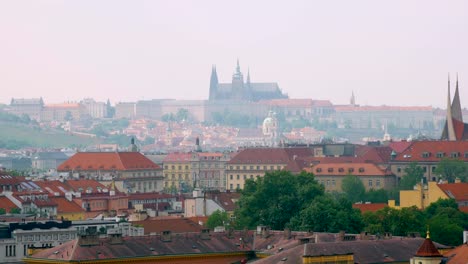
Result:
[
  {"x": 93, "y": 161},
  {"x": 65, "y": 206},
  {"x": 372, "y": 207},
  {"x": 458, "y": 255},
  {"x": 457, "y": 191},
  {"x": 6, "y": 204},
  {"x": 178, "y": 157},
  {"x": 428, "y": 249},
  {"x": 430, "y": 149}
]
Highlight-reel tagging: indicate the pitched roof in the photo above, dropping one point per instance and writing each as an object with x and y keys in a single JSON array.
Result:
[
  {"x": 399, "y": 146},
  {"x": 428, "y": 151},
  {"x": 371, "y": 207},
  {"x": 175, "y": 225},
  {"x": 93, "y": 161},
  {"x": 146, "y": 246},
  {"x": 227, "y": 200},
  {"x": 6, "y": 204},
  {"x": 457, "y": 191},
  {"x": 428, "y": 249},
  {"x": 84, "y": 184},
  {"x": 65, "y": 206},
  {"x": 269, "y": 155},
  {"x": 178, "y": 157},
  {"x": 459, "y": 255}
]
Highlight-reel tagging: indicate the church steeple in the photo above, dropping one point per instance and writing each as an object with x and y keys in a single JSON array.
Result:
[
  {"x": 248, "y": 76},
  {"x": 213, "y": 84},
  {"x": 456, "y": 106},
  {"x": 449, "y": 130},
  {"x": 238, "y": 67},
  {"x": 353, "y": 99}
]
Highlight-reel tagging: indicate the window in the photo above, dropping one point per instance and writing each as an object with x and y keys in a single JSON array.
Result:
[
  {"x": 333, "y": 183},
  {"x": 186, "y": 167},
  {"x": 251, "y": 176},
  {"x": 165, "y": 167},
  {"x": 230, "y": 167},
  {"x": 265, "y": 167},
  {"x": 426, "y": 154},
  {"x": 399, "y": 169},
  {"x": 328, "y": 182},
  {"x": 238, "y": 186},
  {"x": 424, "y": 169},
  {"x": 244, "y": 167},
  {"x": 318, "y": 170},
  {"x": 230, "y": 186},
  {"x": 173, "y": 167},
  {"x": 230, "y": 177},
  {"x": 370, "y": 183},
  {"x": 455, "y": 155},
  {"x": 272, "y": 167},
  {"x": 440, "y": 155},
  {"x": 340, "y": 170},
  {"x": 251, "y": 167},
  {"x": 238, "y": 177},
  {"x": 330, "y": 169},
  {"x": 433, "y": 168},
  {"x": 351, "y": 170},
  {"x": 361, "y": 169},
  {"x": 245, "y": 177},
  {"x": 377, "y": 183},
  {"x": 237, "y": 167},
  {"x": 466, "y": 155},
  {"x": 258, "y": 167}
]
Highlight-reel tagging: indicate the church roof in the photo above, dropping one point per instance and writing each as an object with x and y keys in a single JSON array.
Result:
[
  {"x": 94, "y": 161},
  {"x": 428, "y": 249}
]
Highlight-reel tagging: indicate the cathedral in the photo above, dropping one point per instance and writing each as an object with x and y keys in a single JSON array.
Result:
[
  {"x": 241, "y": 90},
  {"x": 455, "y": 129}
]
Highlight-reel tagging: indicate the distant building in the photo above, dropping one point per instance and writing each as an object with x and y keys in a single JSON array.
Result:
[
  {"x": 242, "y": 90},
  {"x": 48, "y": 160},
  {"x": 209, "y": 169},
  {"x": 31, "y": 107},
  {"x": 62, "y": 112},
  {"x": 95, "y": 109},
  {"x": 125, "y": 110},
  {"x": 131, "y": 171},
  {"x": 15, "y": 163},
  {"x": 177, "y": 170}
]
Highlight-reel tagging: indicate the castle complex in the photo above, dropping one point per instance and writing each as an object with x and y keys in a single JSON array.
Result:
[{"x": 240, "y": 90}]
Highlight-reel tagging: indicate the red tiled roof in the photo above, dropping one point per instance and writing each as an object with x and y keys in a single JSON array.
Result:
[
  {"x": 269, "y": 155},
  {"x": 428, "y": 249},
  {"x": 372, "y": 207},
  {"x": 93, "y": 161},
  {"x": 225, "y": 199},
  {"x": 344, "y": 169},
  {"x": 457, "y": 191},
  {"x": 6, "y": 204},
  {"x": 53, "y": 187},
  {"x": 399, "y": 146},
  {"x": 458, "y": 255},
  {"x": 175, "y": 225},
  {"x": 415, "y": 151},
  {"x": 85, "y": 184},
  {"x": 178, "y": 157},
  {"x": 65, "y": 206}
]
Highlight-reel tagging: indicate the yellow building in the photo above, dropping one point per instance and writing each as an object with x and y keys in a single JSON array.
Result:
[
  {"x": 177, "y": 170},
  {"x": 255, "y": 162},
  {"x": 68, "y": 210},
  {"x": 423, "y": 195}
]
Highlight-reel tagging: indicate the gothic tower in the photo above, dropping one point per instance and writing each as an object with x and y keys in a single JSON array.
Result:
[
  {"x": 213, "y": 84},
  {"x": 238, "y": 83}
]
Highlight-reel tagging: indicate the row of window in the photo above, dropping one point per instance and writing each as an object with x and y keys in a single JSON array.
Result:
[
  {"x": 258, "y": 167},
  {"x": 231, "y": 177},
  {"x": 333, "y": 183},
  {"x": 440, "y": 154},
  {"x": 138, "y": 174},
  {"x": 433, "y": 168},
  {"x": 350, "y": 170},
  {"x": 10, "y": 251}
]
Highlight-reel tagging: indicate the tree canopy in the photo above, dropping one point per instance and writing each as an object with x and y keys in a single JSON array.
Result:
[
  {"x": 353, "y": 188},
  {"x": 449, "y": 169},
  {"x": 217, "y": 218},
  {"x": 413, "y": 175},
  {"x": 281, "y": 199}
]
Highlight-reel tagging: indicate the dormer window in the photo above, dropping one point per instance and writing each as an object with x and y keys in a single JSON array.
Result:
[
  {"x": 340, "y": 170},
  {"x": 426, "y": 154},
  {"x": 466, "y": 155},
  {"x": 440, "y": 154},
  {"x": 351, "y": 170},
  {"x": 361, "y": 169},
  {"x": 319, "y": 170},
  {"x": 455, "y": 154},
  {"x": 330, "y": 169}
]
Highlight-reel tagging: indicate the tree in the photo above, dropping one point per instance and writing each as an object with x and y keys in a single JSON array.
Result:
[
  {"x": 376, "y": 196},
  {"x": 353, "y": 188},
  {"x": 217, "y": 218},
  {"x": 182, "y": 114},
  {"x": 15, "y": 210},
  {"x": 274, "y": 199},
  {"x": 449, "y": 169},
  {"x": 413, "y": 175}
]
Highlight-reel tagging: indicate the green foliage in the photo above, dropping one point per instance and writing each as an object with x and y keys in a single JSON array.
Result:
[
  {"x": 274, "y": 199},
  {"x": 353, "y": 188},
  {"x": 2, "y": 211},
  {"x": 376, "y": 196},
  {"x": 413, "y": 175},
  {"x": 235, "y": 119},
  {"x": 445, "y": 221},
  {"x": 15, "y": 210},
  {"x": 217, "y": 218},
  {"x": 449, "y": 169},
  {"x": 325, "y": 214}
]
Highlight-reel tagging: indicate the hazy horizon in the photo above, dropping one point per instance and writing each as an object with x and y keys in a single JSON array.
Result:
[{"x": 392, "y": 53}]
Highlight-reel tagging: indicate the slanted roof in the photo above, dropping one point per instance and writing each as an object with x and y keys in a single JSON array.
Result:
[
  {"x": 94, "y": 161},
  {"x": 178, "y": 157},
  {"x": 457, "y": 191},
  {"x": 428, "y": 249},
  {"x": 344, "y": 169},
  {"x": 175, "y": 225},
  {"x": 65, "y": 206},
  {"x": 459, "y": 255},
  {"x": 6, "y": 204},
  {"x": 269, "y": 155},
  {"x": 432, "y": 148}
]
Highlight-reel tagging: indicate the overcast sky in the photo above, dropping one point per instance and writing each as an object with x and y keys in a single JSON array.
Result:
[{"x": 387, "y": 52}]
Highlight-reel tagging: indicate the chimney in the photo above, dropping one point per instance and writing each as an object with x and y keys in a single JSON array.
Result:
[
  {"x": 457, "y": 180},
  {"x": 287, "y": 233},
  {"x": 116, "y": 239},
  {"x": 166, "y": 236},
  {"x": 88, "y": 240},
  {"x": 265, "y": 232},
  {"x": 341, "y": 235},
  {"x": 205, "y": 234}
]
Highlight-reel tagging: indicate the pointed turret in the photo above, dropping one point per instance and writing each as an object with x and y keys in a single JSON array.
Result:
[
  {"x": 353, "y": 99},
  {"x": 248, "y": 76},
  {"x": 238, "y": 66},
  {"x": 449, "y": 131},
  {"x": 213, "y": 84},
  {"x": 456, "y": 106}
]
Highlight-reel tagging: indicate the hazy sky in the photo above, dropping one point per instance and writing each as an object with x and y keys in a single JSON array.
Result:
[{"x": 388, "y": 52}]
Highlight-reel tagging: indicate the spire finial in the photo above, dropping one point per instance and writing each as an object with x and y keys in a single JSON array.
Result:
[
  {"x": 238, "y": 66},
  {"x": 427, "y": 233}
]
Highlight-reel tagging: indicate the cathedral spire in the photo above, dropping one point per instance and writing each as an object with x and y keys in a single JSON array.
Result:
[
  {"x": 353, "y": 99},
  {"x": 456, "y": 106},
  {"x": 449, "y": 122},
  {"x": 248, "y": 76},
  {"x": 213, "y": 83},
  {"x": 238, "y": 66}
]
